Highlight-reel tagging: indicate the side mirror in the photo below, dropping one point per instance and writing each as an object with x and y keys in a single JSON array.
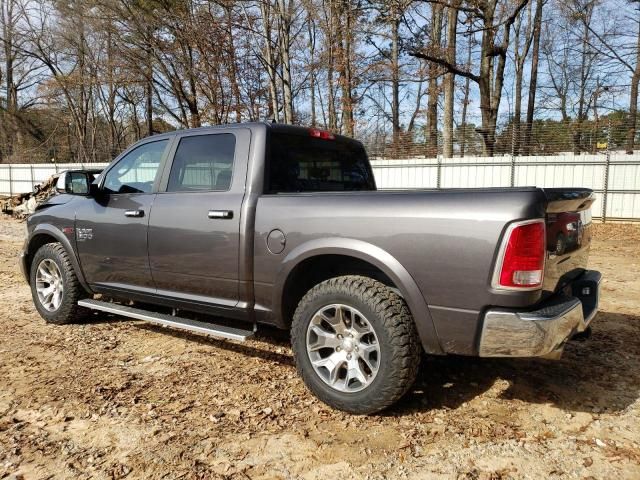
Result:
[{"x": 74, "y": 183}]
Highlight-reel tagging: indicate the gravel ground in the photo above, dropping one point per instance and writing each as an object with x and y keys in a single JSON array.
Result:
[{"x": 116, "y": 398}]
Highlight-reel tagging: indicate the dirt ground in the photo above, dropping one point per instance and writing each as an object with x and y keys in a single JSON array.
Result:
[{"x": 117, "y": 398}]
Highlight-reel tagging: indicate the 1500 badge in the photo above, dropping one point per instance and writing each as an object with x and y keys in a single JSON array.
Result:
[{"x": 84, "y": 233}]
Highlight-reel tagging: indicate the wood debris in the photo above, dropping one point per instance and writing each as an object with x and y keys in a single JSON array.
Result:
[{"x": 22, "y": 205}]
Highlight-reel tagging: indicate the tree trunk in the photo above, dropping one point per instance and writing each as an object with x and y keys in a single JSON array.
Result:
[
  {"x": 465, "y": 105},
  {"x": 449, "y": 82},
  {"x": 8, "y": 23},
  {"x": 111, "y": 99},
  {"x": 486, "y": 84},
  {"x": 583, "y": 107},
  {"x": 533, "y": 79},
  {"x": 148, "y": 96},
  {"x": 395, "y": 75},
  {"x": 232, "y": 63},
  {"x": 312, "y": 66},
  {"x": 331, "y": 47},
  {"x": 434, "y": 88},
  {"x": 148, "y": 84},
  {"x": 265, "y": 9},
  {"x": 333, "y": 120},
  {"x": 346, "y": 77},
  {"x": 633, "y": 101},
  {"x": 284, "y": 21},
  {"x": 492, "y": 76},
  {"x": 520, "y": 55}
]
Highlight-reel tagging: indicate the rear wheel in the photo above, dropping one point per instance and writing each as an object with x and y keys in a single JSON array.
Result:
[
  {"x": 355, "y": 344},
  {"x": 55, "y": 287}
]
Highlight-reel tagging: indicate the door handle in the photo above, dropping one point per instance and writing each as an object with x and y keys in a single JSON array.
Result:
[
  {"x": 220, "y": 214},
  {"x": 134, "y": 213}
]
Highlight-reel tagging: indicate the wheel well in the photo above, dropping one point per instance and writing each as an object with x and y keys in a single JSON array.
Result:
[
  {"x": 34, "y": 245},
  {"x": 314, "y": 270}
]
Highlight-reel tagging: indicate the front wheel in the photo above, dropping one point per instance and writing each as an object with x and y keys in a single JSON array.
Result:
[
  {"x": 355, "y": 344},
  {"x": 55, "y": 287}
]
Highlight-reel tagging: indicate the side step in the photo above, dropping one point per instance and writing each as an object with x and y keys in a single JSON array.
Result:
[{"x": 219, "y": 331}]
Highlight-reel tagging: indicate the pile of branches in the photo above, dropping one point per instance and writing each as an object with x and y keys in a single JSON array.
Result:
[{"x": 24, "y": 204}]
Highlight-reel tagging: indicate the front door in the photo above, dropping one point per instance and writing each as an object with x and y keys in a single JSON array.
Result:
[
  {"x": 194, "y": 229},
  {"x": 111, "y": 230}
]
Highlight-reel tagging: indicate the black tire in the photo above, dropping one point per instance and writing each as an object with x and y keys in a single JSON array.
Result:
[
  {"x": 68, "y": 311},
  {"x": 399, "y": 344}
]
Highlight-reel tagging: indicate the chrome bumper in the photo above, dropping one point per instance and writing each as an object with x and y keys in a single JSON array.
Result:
[{"x": 544, "y": 331}]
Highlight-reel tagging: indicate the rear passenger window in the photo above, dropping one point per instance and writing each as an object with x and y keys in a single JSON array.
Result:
[{"x": 203, "y": 163}]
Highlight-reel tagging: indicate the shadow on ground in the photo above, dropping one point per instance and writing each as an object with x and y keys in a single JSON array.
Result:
[
  {"x": 272, "y": 336},
  {"x": 600, "y": 374}
]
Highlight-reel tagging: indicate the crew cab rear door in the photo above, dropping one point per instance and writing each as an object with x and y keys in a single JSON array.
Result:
[{"x": 194, "y": 229}]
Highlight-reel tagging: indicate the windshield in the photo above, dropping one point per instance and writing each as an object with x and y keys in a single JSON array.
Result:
[{"x": 299, "y": 163}]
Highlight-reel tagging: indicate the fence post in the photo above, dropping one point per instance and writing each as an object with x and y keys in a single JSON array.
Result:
[
  {"x": 10, "y": 181},
  {"x": 513, "y": 170},
  {"x": 513, "y": 156},
  {"x": 439, "y": 171},
  {"x": 605, "y": 186}
]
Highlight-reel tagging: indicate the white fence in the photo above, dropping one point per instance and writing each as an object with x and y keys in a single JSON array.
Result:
[
  {"x": 615, "y": 178},
  {"x": 20, "y": 178}
]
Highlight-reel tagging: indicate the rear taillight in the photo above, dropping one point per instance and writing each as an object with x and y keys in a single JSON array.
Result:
[{"x": 523, "y": 253}]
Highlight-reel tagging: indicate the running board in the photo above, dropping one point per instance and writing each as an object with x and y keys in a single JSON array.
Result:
[{"x": 197, "y": 326}]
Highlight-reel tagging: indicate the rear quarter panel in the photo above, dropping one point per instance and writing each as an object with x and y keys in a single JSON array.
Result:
[{"x": 445, "y": 240}]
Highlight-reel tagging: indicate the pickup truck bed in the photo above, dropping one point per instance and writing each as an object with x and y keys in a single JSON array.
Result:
[{"x": 272, "y": 224}]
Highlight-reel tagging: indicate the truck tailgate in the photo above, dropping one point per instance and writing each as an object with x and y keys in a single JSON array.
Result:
[{"x": 568, "y": 227}]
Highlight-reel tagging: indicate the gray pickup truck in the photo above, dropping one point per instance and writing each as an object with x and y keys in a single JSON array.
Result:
[{"x": 221, "y": 230}]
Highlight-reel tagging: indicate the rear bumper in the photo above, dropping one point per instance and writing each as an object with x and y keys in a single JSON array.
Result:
[{"x": 544, "y": 331}]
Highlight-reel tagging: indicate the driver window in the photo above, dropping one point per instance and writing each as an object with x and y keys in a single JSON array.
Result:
[{"x": 137, "y": 170}]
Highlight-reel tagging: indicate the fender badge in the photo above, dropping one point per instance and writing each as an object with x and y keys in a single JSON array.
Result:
[{"x": 84, "y": 233}]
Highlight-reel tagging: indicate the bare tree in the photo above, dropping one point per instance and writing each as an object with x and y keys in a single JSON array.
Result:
[
  {"x": 231, "y": 59},
  {"x": 533, "y": 76},
  {"x": 449, "y": 80},
  {"x": 633, "y": 97},
  {"x": 63, "y": 49},
  {"x": 495, "y": 19},
  {"x": 435, "y": 45},
  {"x": 575, "y": 69},
  {"x": 311, "y": 45},
  {"x": 522, "y": 33},
  {"x": 465, "y": 100},
  {"x": 620, "y": 44},
  {"x": 9, "y": 14},
  {"x": 285, "y": 13},
  {"x": 330, "y": 53},
  {"x": 266, "y": 9},
  {"x": 21, "y": 75},
  {"x": 86, "y": 77}
]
